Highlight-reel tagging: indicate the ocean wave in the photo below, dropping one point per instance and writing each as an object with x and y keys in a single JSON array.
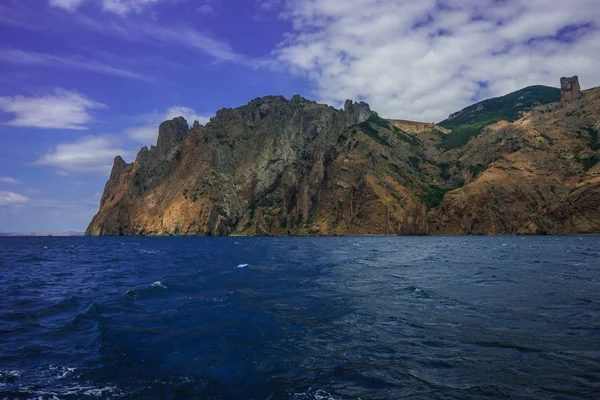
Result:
[
  {"x": 9, "y": 376},
  {"x": 419, "y": 292},
  {"x": 159, "y": 284},
  {"x": 33, "y": 258},
  {"x": 313, "y": 394},
  {"x": 310, "y": 324},
  {"x": 62, "y": 371},
  {"x": 52, "y": 382},
  {"x": 154, "y": 287},
  {"x": 75, "y": 391}
]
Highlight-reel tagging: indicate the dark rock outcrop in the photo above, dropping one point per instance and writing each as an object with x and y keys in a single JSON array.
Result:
[
  {"x": 570, "y": 90},
  {"x": 171, "y": 133},
  {"x": 118, "y": 166}
]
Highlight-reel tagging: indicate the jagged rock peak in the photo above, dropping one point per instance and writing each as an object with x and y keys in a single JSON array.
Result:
[
  {"x": 350, "y": 105},
  {"x": 266, "y": 101},
  {"x": 357, "y": 112},
  {"x": 170, "y": 133},
  {"x": 570, "y": 90},
  {"x": 118, "y": 166},
  {"x": 297, "y": 99}
]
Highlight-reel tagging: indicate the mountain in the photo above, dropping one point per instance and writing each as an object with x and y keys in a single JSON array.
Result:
[
  {"x": 295, "y": 167},
  {"x": 470, "y": 121}
]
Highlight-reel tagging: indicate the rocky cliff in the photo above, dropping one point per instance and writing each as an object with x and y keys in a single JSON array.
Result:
[{"x": 295, "y": 167}]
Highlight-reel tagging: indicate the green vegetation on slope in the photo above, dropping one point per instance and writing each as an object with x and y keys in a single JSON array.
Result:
[
  {"x": 589, "y": 162},
  {"x": 373, "y": 133},
  {"x": 432, "y": 196},
  {"x": 593, "y": 138},
  {"x": 470, "y": 121}
]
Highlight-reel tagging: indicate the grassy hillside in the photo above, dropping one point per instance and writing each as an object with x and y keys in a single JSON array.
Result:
[{"x": 471, "y": 120}]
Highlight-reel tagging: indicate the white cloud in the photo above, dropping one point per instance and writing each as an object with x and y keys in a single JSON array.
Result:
[
  {"x": 148, "y": 133},
  {"x": 121, "y": 7},
  {"x": 205, "y": 9},
  {"x": 11, "y": 198},
  {"x": 268, "y": 5},
  {"x": 422, "y": 60},
  {"x": 8, "y": 179},
  {"x": 135, "y": 30},
  {"x": 45, "y": 214},
  {"x": 19, "y": 57},
  {"x": 265, "y": 9},
  {"x": 187, "y": 113},
  {"x": 69, "y": 5},
  {"x": 90, "y": 154},
  {"x": 193, "y": 39},
  {"x": 62, "y": 110},
  {"x": 145, "y": 134},
  {"x": 18, "y": 16},
  {"x": 160, "y": 34}
]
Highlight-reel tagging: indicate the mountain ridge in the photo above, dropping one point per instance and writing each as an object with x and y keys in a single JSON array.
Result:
[
  {"x": 296, "y": 167},
  {"x": 469, "y": 121}
]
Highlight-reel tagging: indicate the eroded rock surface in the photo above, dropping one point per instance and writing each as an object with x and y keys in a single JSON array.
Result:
[
  {"x": 570, "y": 90},
  {"x": 295, "y": 167}
]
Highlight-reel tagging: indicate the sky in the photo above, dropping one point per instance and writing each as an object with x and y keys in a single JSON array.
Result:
[{"x": 84, "y": 80}]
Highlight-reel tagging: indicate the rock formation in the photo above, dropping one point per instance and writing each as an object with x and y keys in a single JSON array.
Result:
[
  {"x": 170, "y": 133},
  {"x": 570, "y": 90},
  {"x": 295, "y": 167}
]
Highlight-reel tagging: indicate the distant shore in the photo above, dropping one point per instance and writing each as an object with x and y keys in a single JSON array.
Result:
[{"x": 42, "y": 234}]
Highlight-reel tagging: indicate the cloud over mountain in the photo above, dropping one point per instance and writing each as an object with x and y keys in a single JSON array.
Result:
[{"x": 422, "y": 60}]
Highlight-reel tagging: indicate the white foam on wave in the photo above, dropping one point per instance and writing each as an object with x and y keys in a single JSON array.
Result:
[
  {"x": 78, "y": 391},
  {"x": 242, "y": 265},
  {"x": 5, "y": 373},
  {"x": 101, "y": 392},
  {"x": 159, "y": 284},
  {"x": 313, "y": 394},
  {"x": 52, "y": 385},
  {"x": 62, "y": 370}
]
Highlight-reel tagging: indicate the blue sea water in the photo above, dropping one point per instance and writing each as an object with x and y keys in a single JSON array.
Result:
[{"x": 300, "y": 318}]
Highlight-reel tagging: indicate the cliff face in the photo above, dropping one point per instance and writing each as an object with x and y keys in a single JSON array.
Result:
[
  {"x": 537, "y": 175},
  {"x": 278, "y": 167},
  {"x": 271, "y": 167}
]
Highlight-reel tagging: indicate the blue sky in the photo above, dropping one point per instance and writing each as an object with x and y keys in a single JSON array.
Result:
[{"x": 84, "y": 80}]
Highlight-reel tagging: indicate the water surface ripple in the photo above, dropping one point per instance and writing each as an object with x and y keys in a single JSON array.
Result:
[{"x": 300, "y": 318}]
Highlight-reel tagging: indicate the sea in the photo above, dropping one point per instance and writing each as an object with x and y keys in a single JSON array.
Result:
[{"x": 300, "y": 318}]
